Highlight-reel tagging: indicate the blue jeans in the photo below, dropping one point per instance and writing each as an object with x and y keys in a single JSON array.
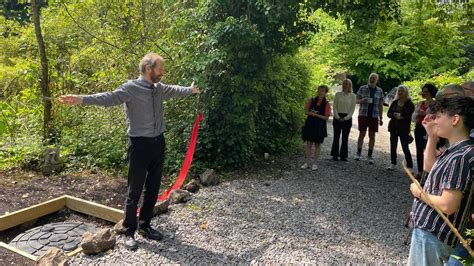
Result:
[
  {"x": 426, "y": 249},
  {"x": 460, "y": 251}
]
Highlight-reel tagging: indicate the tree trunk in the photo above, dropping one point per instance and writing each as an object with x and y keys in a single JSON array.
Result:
[{"x": 44, "y": 80}]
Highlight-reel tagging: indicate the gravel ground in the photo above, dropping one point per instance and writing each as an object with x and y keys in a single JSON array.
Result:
[{"x": 345, "y": 212}]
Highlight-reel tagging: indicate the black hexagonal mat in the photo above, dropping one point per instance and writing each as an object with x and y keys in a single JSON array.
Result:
[{"x": 66, "y": 236}]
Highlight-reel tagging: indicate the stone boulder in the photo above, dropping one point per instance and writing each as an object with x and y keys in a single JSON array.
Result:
[
  {"x": 53, "y": 257},
  {"x": 192, "y": 186},
  {"x": 118, "y": 228},
  {"x": 180, "y": 196},
  {"x": 209, "y": 178},
  {"x": 161, "y": 207},
  {"x": 52, "y": 163},
  {"x": 99, "y": 242}
]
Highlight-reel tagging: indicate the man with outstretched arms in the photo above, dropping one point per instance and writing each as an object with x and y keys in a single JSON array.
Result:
[{"x": 143, "y": 99}]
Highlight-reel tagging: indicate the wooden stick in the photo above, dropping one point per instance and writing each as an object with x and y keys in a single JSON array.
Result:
[
  {"x": 441, "y": 214},
  {"x": 74, "y": 252}
]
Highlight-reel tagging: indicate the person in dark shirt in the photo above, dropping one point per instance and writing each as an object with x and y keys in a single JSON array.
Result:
[
  {"x": 317, "y": 112},
  {"x": 400, "y": 113}
]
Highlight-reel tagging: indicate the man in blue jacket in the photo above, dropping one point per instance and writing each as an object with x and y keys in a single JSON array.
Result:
[{"x": 143, "y": 99}]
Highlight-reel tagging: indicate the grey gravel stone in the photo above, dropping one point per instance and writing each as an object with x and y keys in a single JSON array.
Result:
[{"x": 345, "y": 212}]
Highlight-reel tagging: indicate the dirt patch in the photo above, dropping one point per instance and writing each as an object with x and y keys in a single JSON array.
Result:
[{"x": 19, "y": 190}]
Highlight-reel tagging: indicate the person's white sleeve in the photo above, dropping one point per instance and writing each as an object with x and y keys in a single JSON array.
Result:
[{"x": 335, "y": 106}]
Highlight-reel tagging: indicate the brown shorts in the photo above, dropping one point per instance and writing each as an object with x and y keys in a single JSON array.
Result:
[{"x": 368, "y": 122}]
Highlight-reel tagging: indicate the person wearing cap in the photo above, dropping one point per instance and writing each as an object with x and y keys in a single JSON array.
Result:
[{"x": 449, "y": 91}]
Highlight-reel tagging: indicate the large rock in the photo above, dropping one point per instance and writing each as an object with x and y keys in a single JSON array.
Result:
[
  {"x": 192, "y": 186},
  {"x": 52, "y": 163},
  {"x": 161, "y": 207},
  {"x": 99, "y": 242},
  {"x": 118, "y": 228},
  {"x": 180, "y": 196},
  {"x": 53, "y": 257},
  {"x": 209, "y": 178}
]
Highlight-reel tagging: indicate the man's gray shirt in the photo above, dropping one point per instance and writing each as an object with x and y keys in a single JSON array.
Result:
[{"x": 143, "y": 104}]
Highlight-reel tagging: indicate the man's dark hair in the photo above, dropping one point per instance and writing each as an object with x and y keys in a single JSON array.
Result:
[
  {"x": 459, "y": 105},
  {"x": 431, "y": 89}
]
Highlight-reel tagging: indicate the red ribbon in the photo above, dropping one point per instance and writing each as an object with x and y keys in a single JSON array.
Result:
[{"x": 187, "y": 160}]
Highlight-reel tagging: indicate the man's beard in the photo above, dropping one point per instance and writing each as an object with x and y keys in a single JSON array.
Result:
[{"x": 155, "y": 78}]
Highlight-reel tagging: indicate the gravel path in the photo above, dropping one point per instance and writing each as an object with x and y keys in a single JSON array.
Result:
[{"x": 345, "y": 212}]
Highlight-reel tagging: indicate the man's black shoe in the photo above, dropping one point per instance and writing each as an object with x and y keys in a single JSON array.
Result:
[
  {"x": 130, "y": 242},
  {"x": 150, "y": 233}
]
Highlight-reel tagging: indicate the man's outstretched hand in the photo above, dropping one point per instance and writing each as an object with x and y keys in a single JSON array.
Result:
[
  {"x": 70, "y": 99},
  {"x": 195, "y": 88}
]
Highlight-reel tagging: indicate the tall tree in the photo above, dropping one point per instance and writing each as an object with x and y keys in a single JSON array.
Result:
[{"x": 44, "y": 80}]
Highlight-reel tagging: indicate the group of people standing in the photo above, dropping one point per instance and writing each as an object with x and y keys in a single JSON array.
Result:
[
  {"x": 370, "y": 99},
  {"x": 401, "y": 112},
  {"x": 444, "y": 138}
]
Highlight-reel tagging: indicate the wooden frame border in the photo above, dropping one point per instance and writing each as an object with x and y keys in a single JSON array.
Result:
[{"x": 39, "y": 210}]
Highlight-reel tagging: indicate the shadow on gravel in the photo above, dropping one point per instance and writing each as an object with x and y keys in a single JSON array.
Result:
[{"x": 343, "y": 212}]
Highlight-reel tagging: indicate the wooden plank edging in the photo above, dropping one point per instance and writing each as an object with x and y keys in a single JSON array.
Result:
[
  {"x": 30, "y": 213},
  {"x": 18, "y": 251},
  {"x": 39, "y": 210},
  {"x": 94, "y": 209}
]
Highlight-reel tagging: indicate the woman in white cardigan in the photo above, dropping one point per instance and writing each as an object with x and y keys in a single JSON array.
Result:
[{"x": 344, "y": 106}]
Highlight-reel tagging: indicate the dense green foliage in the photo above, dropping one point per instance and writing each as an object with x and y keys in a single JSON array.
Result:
[
  {"x": 95, "y": 45},
  {"x": 257, "y": 63},
  {"x": 425, "y": 40},
  {"x": 243, "y": 39},
  {"x": 283, "y": 92}
]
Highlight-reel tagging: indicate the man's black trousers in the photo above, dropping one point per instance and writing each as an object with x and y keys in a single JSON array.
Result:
[{"x": 145, "y": 167}]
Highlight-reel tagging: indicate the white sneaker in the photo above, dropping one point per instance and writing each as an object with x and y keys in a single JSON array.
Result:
[
  {"x": 314, "y": 167},
  {"x": 357, "y": 157},
  {"x": 371, "y": 160},
  {"x": 392, "y": 167},
  {"x": 304, "y": 166}
]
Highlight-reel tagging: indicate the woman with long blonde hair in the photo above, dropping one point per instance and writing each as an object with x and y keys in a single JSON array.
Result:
[{"x": 343, "y": 109}]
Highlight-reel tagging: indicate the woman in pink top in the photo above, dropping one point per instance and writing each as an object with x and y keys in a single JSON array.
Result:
[
  {"x": 318, "y": 111},
  {"x": 428, "y": 92}
]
